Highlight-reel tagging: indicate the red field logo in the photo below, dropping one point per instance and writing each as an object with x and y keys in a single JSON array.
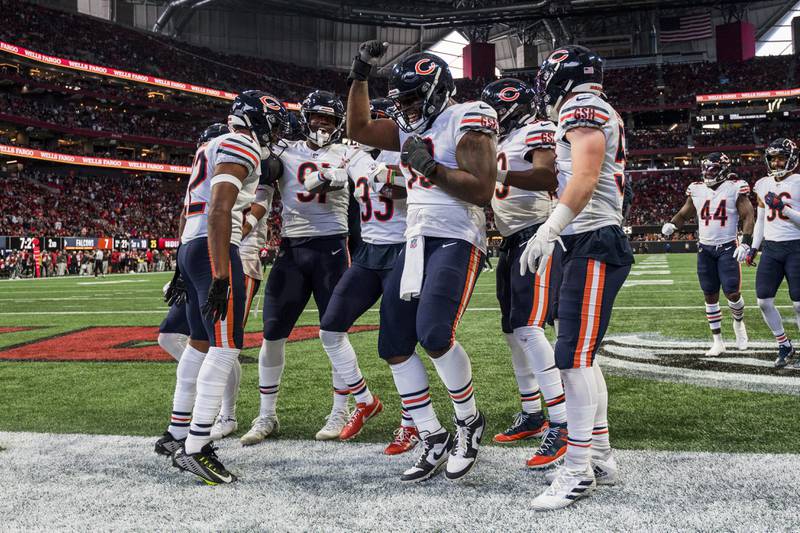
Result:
[{"x": 122, "y": 343}]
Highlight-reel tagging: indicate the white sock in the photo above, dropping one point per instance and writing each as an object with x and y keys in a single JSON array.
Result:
[
  {"x": 737, "y": 309},
  {"x": 600, "y": 443},
  {"x": 773, "y": 319},
  {"x": 345, "y": 363},
  {"x": 529, "y": 395},
  {"x": 539, "y": 352},
  {"x": 714, "y": 316},
  {"x": 185, "y": 390},
  {"x": 271, "y": 359},
  {"x": 173, "y": 344},
  {"x": 455, "y": 371},
  {"x": 340, "y": 391},
  {"x": 211, "y": 383},
  {"x": 580, "y": 386},
  {"x": 405, "y": 419},
  {"x": 796, "y": 306},
  {"x": 228, "y": 408},
  {"x": 411, "y": 381}
]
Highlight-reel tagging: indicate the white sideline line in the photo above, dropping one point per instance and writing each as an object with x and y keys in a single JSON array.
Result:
[{"x": 111, "y": 483}]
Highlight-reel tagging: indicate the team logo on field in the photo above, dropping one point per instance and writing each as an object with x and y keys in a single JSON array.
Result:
[
  {"x": 509, "y": 94},
  {"x": 420, "y": 67},
  {"x": 684, "y": 361}
]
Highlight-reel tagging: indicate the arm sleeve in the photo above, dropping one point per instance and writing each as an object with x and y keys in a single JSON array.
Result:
[
  {"x": 758, "y": 231},
  {"x": 793, "y": 215},
  {"x": 264, "y": 195},
  {"x": 743, "y": 186},
  {"x": 541, "y": 136},
  {"x": 476, "y": 116}
]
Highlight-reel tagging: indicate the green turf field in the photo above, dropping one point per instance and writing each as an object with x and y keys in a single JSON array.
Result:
[{"x": 134, "y": 398}]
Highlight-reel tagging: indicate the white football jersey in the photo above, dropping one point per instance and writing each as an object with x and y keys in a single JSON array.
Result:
[
  {"x": 308, "y": 214},
  {"x": 235, "y": 148},
  {"x": 588, "y": 110},
  {"x": 516, "y": 209},
  {"x": 383, "y": 219},
  {"x": 778, "y": 227},
  {"x": 250, "y": 249},
  {"x": 717, "y": 215},
  {"x": 431, "y": 211}
]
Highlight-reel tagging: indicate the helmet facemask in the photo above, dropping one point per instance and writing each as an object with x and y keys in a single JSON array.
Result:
[
  {"x": 320, "y": 136},
  {"x": 416, "y": 108},
  {"x": 715, "y": 171},
  {"x": 781, "y": 157}
]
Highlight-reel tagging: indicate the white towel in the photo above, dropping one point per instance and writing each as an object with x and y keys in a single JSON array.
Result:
[{"x": 413, "y": 268}]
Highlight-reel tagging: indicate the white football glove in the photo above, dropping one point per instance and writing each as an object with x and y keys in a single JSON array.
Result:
[
  {"x": 741, "y": 252},
  {"x": 540, "y": 247},
  {"x": 334, "y": 178},
  {"x": 668, "y": 229}
]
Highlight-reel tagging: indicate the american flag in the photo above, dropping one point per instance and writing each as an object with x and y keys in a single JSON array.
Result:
[{"x": 685, "y": 28}]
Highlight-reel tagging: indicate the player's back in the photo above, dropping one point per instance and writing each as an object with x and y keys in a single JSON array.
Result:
[
  {"x": 717, "y": 214},
  {"x": 605, "y": 206},
  {"x": 432, "y": 211},
  {"x": 514, "y": 208},
  {"x": 777, "y": 226},
  {"x": 307, "y": 214},
  {"x": 235, "y": 148}
]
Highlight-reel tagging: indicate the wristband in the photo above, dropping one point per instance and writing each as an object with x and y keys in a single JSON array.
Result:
[
  {"x": 252, "y": 220},
  {"x": 502, "y": 176},
  {"x": 360, "y": 70},
  {"x": 227, "y": 178},
  {"x": 747, "y": 239}
]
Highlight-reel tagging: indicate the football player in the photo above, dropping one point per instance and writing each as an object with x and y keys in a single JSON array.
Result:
[
  {"x": 526, "y": 156},
  {"x": 254, "y": 237},
  {"x": 777, "y": 235},
  {"x": 718, "y": 202},
  {"x": 173, "y": 333},
  {"x": 449, "y": 161},
  {"x": 590, "y": 158},
  {"x": 313, "y": 253},
  {"x": 221, "y": 188},
  {"x": 380, "y": 191}
]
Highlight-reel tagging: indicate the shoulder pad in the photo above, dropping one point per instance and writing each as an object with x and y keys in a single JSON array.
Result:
[
  {"x": 585, "y": 110},
  {"x": 477, "y": 116}
]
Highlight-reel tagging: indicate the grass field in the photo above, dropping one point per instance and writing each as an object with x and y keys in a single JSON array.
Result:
[{"x": 134, "y": 398}]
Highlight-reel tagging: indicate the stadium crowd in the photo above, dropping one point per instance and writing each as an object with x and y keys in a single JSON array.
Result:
[{"x": 22, "y": 263}]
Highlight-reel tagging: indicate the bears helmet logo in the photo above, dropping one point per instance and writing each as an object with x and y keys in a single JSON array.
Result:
[
  {"x": 509, "y": 94},
  {"x": 420, "y": 69}
]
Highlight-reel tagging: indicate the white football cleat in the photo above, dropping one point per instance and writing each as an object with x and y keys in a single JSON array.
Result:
[
  {"x": 567, "y": 487},
  {"x": 223, "y": 427},
  {"x": 605, "y": 468},
  {"x": 741, "y": 334},
  {"x": 717, "y": 348},
  {"x": 263, "y": 427},
  {"x": 334, "y": 425}
]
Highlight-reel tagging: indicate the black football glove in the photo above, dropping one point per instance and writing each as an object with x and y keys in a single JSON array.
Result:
[
  {"x": 271, "y": 170},
  {"x": 216, "y": 306},
  {"x": 369, "y": 52},
  {"x": 416, "y": 154},
  {"x": 176, "y": 291}
]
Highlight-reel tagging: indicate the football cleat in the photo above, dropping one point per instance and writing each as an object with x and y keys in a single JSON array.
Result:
[
  {"x": 435, "y": 450},
  {"x": 263, "y": 427},
  {"x": 605, "y": 468},
  {"x": 717, "y": 348},
  {"x": 204, "y": 464},
  {"x": 525, "y": 426},
  {"x": 405, "y": 438},
  {"x": 223, "y": 427},
  {"x": 785, "y": 354},
  {"x": 567, "y": 487},
  {"x": 464, "y": 453},
  {"x": 741, "y": 334},
  {"x": 167, "y": 444},
  {"x": 552, "y": 449},
  {"x": 359, "y": 417},
  {"x": 334, "y": 425}
]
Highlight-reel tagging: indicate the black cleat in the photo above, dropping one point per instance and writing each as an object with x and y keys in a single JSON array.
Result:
[
  {"x": 435, "y": 449},
  {"x": 204, "y": 464},
  {"x": 785, "y": 354},
  {"x": 167, "y": 444},
  {"x": 465, "y": 449}
]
